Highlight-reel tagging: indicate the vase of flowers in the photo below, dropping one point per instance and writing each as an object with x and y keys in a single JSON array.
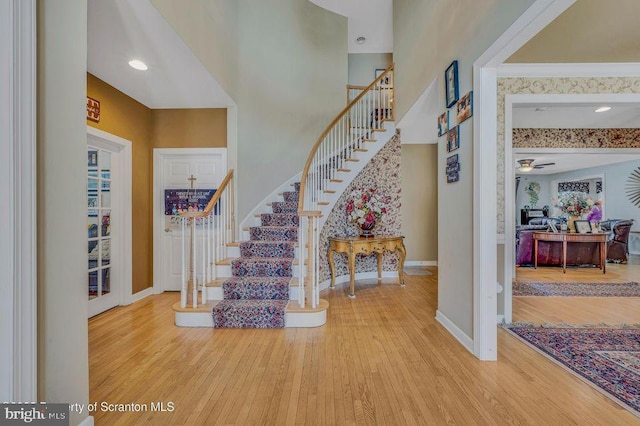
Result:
[
  {"x": 365, "y": 208},
  {"x": 576, "y": 205}
]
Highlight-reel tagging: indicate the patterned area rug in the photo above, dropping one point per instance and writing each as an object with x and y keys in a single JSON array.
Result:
[
  {"x": 630, "y": 289},
  {"x": 607, "y": 358}
]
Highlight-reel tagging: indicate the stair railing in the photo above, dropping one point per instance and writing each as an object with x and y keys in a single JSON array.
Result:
[
  {"x": 347, "y": 133},
  {"x": 205, "y": 235}
]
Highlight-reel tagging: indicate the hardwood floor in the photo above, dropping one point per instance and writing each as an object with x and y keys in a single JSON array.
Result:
[
  {"x": 380, "y": 359},
  {"x": 579, "y": 310}
]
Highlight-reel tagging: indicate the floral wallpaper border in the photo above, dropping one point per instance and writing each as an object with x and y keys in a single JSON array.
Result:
[
  {"x": 549, "y": 85},
  {"x": 383, "y": 173},
  {"x": 576, "y": 138}
]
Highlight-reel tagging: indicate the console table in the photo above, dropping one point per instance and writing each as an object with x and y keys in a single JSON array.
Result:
[
  {"x": 361, "y": 245},
  {"x": 566, "y": 238}
]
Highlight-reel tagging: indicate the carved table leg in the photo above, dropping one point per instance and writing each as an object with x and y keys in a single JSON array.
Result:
[
  {"x": 402, "y": 254},
  {"x": 379, "y": 258},
  {"x": 352, "y": 272},
  {"x": 332, "y": 267}
]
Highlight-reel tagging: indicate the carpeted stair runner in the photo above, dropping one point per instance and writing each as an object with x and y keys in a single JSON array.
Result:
[{"x": 257, "y": 294}]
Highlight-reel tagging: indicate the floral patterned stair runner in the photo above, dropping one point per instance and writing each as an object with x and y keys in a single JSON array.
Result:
[{"x": 257, "y": 294}]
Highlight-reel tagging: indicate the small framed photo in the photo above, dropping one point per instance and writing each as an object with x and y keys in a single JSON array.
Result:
[
  {"x": 453, "y": 177},
  {"x": 452, "y": 160},
  {"x": 386, "y": 81},
  {"x": 464, "y": 107},
  {"x": 453, "y": 139},
  {"x": 443, "y": 123},
  {"x": 553, "y": 227},
  {"x": 451, "y": 84},
  {"x": 582, "y": 226}
]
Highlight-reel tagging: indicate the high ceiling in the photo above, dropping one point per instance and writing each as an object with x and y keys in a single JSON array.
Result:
[
  {"x": 569, "y": 162},
  {"x": 121, "y": 30},
  {"x": 372, "y": 19},
  {"x": 572, "y": 116},
  {"x": 590, "y": 31}
]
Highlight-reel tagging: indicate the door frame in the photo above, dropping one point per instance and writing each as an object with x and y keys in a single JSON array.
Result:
[
  {"x": 509, "y": 152},
  {"x": 159, "y": 154},
  {"x": 122, "y": 188},
  {"x": 18, "y": 188}
]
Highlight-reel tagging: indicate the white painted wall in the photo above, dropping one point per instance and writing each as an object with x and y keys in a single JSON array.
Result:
[
  {"x": 428, "y": 36},
  {"x": 362, "y": 66},
  {"x": 62, "y": 138},
  {"x": 523, "y": 199},
  {"x": 286, "y": 71}
]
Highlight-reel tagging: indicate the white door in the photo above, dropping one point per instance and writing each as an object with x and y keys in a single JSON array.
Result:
[
  {"x": 108, "y": 221},
  {"x": 173, "y": 169}
]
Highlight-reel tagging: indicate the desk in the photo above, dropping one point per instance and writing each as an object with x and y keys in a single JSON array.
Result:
[
  {"x": 565, "y": 238},
  {"x": 360, "y": 245}
]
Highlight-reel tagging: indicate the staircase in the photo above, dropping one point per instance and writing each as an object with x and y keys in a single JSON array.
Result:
[
  {"x": 271, "y": 279},
  {"x": 258, "y": 293}
]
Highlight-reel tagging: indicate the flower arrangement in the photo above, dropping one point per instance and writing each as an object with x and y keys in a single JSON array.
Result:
[
  {"x": 365, "y": 207},
  {"x": 572, "y": 203}
]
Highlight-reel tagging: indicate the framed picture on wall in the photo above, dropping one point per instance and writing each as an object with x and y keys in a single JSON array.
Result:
[
  {"x": 386, "y": 81},
  {"x": 451, "y": 84},
  {"x": 453, "y": 139},
  {"x": 443, "y": 123},
  {"x": 464, "y": 107}
]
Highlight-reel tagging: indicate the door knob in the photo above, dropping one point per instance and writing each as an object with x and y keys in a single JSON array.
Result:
[{"x": 167, "y": 230}]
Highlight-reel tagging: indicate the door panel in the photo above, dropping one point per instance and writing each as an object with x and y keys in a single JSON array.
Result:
[{"x": 175, "y": 171}]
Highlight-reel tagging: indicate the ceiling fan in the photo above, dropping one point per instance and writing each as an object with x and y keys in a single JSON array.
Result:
[{"x": 527, "y": 165}]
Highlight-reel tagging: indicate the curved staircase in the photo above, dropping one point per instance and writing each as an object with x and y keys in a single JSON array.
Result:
[{"x": 271, "y": 279}]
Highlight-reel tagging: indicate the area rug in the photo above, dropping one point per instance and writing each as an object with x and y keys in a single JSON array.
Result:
[
  {"x": 608, "y": 358},
  {"x": 630, "y": 289},
  {"x": 416, "y": 270}
]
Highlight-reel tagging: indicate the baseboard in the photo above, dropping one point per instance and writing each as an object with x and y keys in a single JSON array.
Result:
[
  {"x": 359, "y": 276},
  {"x": 421, "y": 263},
  {"x": 500, "y": 319},
  {"x": 87, "y": 422},
  {"x": 465, "y": 340},
  {"x": 142, "y": 294}
]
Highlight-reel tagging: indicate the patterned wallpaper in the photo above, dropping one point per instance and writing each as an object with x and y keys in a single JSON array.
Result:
[
  {"x": 576, "y": 138},
  {"x": 383, "y": 173},
  {"x": 550, "y": 85}
]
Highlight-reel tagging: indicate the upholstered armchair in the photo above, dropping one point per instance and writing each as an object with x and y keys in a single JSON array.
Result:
[{"x": 618, "y": 245}]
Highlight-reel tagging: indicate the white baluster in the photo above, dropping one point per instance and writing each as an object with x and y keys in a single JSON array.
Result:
[{"x": 183, "y": 280}]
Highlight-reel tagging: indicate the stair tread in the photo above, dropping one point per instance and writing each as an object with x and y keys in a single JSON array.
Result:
[
  {"x": 226, "y": 261},
  {"x": 336, "y": 180},
  {"x": 354, "y": 160},
  {"x": 344, "y": 170}
]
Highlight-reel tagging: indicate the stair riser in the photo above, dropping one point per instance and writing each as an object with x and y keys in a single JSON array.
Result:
[
  {"x": 282, "y": 207},
  {"x": 283, "y": 234},
  {"x": 256, "y": 291},
  {"x": 290, "y": 196},
  {"x": 227, "y": 315},
  {"x": 282, "y": 250},
  {"x": 279, "y": 219},
  {"x": 247, "y": 268}
]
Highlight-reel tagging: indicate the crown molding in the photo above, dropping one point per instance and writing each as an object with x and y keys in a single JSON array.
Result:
[{"x": 626, "y": 69}]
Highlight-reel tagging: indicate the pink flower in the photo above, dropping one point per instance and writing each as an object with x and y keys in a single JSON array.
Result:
[{"x": 370, "y": 218}]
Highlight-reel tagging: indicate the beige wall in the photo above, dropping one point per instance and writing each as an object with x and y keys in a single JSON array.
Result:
[
  {"x": 189, "y": 128},
  {"x": 147, "y": 129},
  {"x": 290, "y": 64},
  {"x": 362, "y": 66},
  {"x": 420, "y": 201},
  {"x": 123, "y": 116},
  {"x": 427, "y": 37},
  {"x": 63, "y": 366}
]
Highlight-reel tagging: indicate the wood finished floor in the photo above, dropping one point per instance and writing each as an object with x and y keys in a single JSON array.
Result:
[
  {"x": 380, "y": 359},
  {"x": 579, "y": 310}
]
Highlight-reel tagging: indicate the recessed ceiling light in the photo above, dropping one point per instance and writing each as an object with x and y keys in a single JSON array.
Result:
[
  {"x": 361, "y": 40},
  {"x": 540, "y": 109},
  {"x": 138, "y": 64},
  {"x": 603, "y": 109}
]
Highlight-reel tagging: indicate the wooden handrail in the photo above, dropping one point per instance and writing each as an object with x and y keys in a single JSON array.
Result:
[
  {"x": 351, "y": 86},
  {"x": 214, "y": 199},
  {"x": 305, "y": 171}
]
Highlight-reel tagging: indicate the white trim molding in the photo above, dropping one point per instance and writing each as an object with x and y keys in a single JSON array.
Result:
[
  {"x": 136, "y": 297},
  {"x": 627, "y": 69},
  {"x": 485, "y": 82},
  {"x": 88, "y": 421},
  {"x": 421, "y": 263},
  {"x": 460, "y": 335},
  {"x": 18, "y": 244}
]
